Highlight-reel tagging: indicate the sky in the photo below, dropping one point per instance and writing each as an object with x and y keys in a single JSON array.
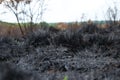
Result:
[{"x": 69, "y": 10}]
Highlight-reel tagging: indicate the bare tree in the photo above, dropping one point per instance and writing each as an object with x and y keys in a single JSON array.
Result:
[
  {"x": 113, "y": 11},
  {"x": 34, "y": 12},
  {"x": 83, "y": 17},
  {"x": 25, "y": 11},
  {"x": 13, "y": 6},
  {"x": 112, "y": 14}
]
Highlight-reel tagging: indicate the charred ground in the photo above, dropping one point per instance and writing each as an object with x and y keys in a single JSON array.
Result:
[{"x": 86, "y": 53}]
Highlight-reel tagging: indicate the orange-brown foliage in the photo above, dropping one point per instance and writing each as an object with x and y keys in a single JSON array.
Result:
[
  {"x": 104, "y": 25},
  {"x": 75, "y": 25},
  {"x": 62, "y": 26},
  {"x": 12, "y": 31}
]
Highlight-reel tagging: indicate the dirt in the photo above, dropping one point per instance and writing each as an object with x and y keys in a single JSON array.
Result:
[{"x": 79, "y": 55}]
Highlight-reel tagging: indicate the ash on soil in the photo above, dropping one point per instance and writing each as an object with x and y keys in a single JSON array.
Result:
[{"x": 88, "y": 53}]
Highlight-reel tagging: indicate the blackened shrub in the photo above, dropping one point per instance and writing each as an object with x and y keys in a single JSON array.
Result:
[
  {"x": 38, "y": 38},
  {"x": 90, "y": 29},
  {"x": 53, "y": 29},
  {"x": 10, "y": 47},
  {"x": 70, "y": 39}
]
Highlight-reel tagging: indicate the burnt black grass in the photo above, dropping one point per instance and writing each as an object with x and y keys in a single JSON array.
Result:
[{"x": 50, "y": 54}]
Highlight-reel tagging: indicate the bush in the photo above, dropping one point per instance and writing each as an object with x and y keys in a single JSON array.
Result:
[
  {"x": 90, "y": 29},
  {"x": 44, "y": 24},
  {"x": 70, "y": 39},
  {"x": 10, "y": 47},
  {"x": 38, "y": 38}
]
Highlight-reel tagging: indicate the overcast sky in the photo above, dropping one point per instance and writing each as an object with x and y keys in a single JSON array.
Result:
[{"x": 70, "y": 10}]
